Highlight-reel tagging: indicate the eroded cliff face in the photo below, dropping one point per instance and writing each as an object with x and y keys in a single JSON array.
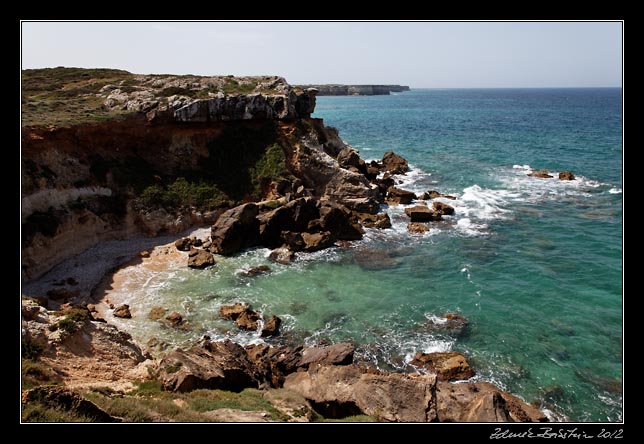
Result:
[{"x": 81, "y": 184}]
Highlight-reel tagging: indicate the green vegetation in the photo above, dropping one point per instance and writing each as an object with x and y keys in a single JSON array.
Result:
[
  {"x": 182, "y": 193},
  {"x": 36, "y": 412},
  {"x": 271, "y": 166},
  {"x": 30, "y": 349},
  {"x": 73, "y": 320},
  {"x": 64, "y": 96},
  {"x": 35, "y": 373}
]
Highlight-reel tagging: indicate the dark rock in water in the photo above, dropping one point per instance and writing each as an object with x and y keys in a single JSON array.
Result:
[
  {"x": 553, "y": 393},
  {"x": 60, "y": 398},
  {"x": 543, "y": 174},
  {"x": 282, "y": 256},
  {"x": 399, "y": 196},
  {"x": 443, "y": 209},
  {"x": 433, "y": 194},
  {"x": 200, "y": 259},
  {"x": 235, "y": 229},
  {"x": 341, "y": 391},
  {"x": 481, "y": 402},
  {"x": 232, "y": 312},
  {"x": 450, "y": 323},
  {"x": 385, "y": 183},
  {"x": 174, "y": 319},
  {"x": 566, "y": 175},
  {"x": 157, "y": 313},
  {"x": 393, "y": 163},
  {"x": 271, "y": 327},
  {"x": 417, "y": 228},
  {"x": 317, "y": 241},
  {"x": 247, "y": 320},
  {"x": 374, "y": 259},
  {"x": 447, "y": 365},
  {"x": 122, "y": 311},
  {"x": 421, "y": 213},
  {"x": 293, "y": 240},
  {"x": 298, "y": 307},
  {"x": 254, "y": 271}
]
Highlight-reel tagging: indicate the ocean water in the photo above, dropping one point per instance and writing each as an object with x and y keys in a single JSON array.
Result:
[{"x": 535, "y": 265}]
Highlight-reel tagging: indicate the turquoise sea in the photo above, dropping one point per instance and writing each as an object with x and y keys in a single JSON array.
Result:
[{"x": 535, "y": 265}]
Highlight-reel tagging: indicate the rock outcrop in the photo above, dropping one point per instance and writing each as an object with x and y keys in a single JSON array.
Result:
[
  {"x": 448, "y": 366},
  {"x": 337, "y": 392},
  {"x": 421, "y": 213},
  {"x": 566, "y": 175},
  {"x": 200, "y": 259},
  {"x": 542, "y": 174}
]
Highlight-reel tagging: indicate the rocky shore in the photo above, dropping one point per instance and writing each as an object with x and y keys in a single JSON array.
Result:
[{"x": 242, "y": 156}]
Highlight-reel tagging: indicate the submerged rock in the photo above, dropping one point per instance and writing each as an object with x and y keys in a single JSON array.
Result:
[
  {"x": 417, "y": 228},
  {"x": 254, "y": 271},
  {"x": 157, "y": 313},
  {"x": 433, "y": 194},
  {"x": 374, "y": 259},
  {"x": 174, "y": 319},
  {"x": 232, "y": 312}
]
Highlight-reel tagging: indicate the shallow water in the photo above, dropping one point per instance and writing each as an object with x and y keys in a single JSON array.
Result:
[{"x": 534, "y": 264}]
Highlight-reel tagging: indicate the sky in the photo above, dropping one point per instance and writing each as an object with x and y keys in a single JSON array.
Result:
[{"x": 417, "y": 54}]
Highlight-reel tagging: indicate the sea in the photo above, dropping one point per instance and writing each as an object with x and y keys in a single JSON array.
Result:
[{"x": 535, "y": 265}]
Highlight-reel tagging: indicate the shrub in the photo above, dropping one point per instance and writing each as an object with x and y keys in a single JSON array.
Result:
[
  {"x": 182, "y": 193},
  {"x": 30, "y": 349},
  {"x": 270, "y": 166}
]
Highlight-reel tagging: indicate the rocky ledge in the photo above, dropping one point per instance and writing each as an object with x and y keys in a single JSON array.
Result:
[
  {"x": 98, "y": 364},
  {"x": 356, "y": 90}
]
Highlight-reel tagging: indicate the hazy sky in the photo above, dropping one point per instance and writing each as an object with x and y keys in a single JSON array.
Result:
[{"x": 418, "y": 54}]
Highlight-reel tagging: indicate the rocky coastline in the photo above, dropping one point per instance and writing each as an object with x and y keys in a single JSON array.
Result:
[{"x": 302, "y": 190}]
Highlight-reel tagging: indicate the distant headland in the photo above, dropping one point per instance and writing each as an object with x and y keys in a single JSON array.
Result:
[{"x": 356, "y": 90}]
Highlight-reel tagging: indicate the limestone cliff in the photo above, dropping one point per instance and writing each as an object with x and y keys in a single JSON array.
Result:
[{"x": 156, "y": 154}]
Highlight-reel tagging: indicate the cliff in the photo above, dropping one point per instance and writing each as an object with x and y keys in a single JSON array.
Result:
[
  {"x": 356, "y": 90},
  {"x": 130, "y": 154}
]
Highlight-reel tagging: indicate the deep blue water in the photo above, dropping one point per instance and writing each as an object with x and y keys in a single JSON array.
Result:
[{"x": 535, "y": 265}]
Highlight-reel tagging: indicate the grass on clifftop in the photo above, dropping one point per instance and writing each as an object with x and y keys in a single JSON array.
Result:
[{"x": 66, "y": 96}]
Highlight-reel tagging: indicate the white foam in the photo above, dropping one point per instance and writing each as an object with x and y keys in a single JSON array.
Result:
[{"x": 615, "y": 191}]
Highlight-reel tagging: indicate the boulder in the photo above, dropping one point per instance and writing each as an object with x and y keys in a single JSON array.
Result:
[
  {"x": 247, "y": 320},
  {"x": 271, "y": 327},
  {"x": 336, "y": 354},
  {"x": 295, "y": 216},
  {"x": 254, "y": 271},
  {"x": 349, "y": 157},
  {"x": 200, "y": 259},
  {"x": 543, "y": 174},
  {"x": 211, "y": 365},
  {"x": 421, "y": 213},
  {"x": 232, "y": 312},
  {"x": 566, "y": 175},
  {"x": 354, "y": 192},
  {"x": 235, "y": 229},
  {"x": 443, "y": 209},
  {"x": 393, "y": 163},
  {"x": 399, "y": 196},
  {"x": 380, "y": 220},
  {"x": 183, "y": 244},
  {"x": 317, "y": 241},
  {"x": 61, "y": 398},
  {"x": 336, "y": 219},
  {"x": 433, "y": 194},
  {"x": 174, "y": 319},
  {"x": 448, "y": 366},
  {"x": 293, "y": 240},
  {"x": 341, "y": 391},
  {"x": 122, "y": 311},
  {"x": 417, "y": 228},
  {"x": 481, "y": 402},
  {"x": 282, "y": 256}
]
